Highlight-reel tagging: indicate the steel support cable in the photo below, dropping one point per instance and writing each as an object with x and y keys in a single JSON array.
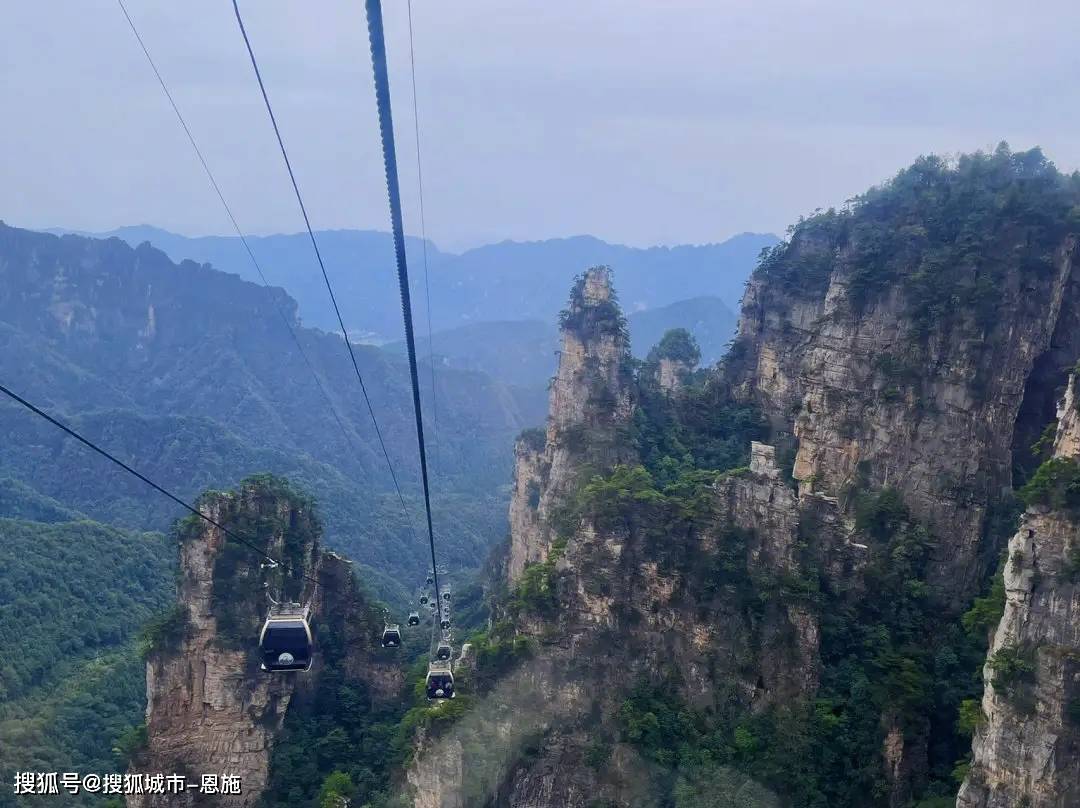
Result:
[
  {"x": 235, "y": 224},
  {"x": 322, "y": 266},
  {"x": 160, "y": 489},
  {"x": 423, "y": 241},
  {"x": 386, "y": 133}
]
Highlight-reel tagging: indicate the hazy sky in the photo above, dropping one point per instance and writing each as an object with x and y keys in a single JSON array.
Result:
[{"x": 665, "y": 121}]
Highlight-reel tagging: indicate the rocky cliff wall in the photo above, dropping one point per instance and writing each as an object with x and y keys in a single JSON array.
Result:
[
  {"x": 871, "y": 403},
  {"x": 210, "y": 709},
  {"x": 589, "y": 402},
  {"x": 903, "y": 353},
  {"x": 1027, "y": 749},
  {"x": 612, "y": 602}
]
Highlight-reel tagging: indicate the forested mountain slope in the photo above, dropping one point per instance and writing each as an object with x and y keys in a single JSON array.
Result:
[
  {"x": 191, "y": 375},
  {"x": 74, "y": 596}
]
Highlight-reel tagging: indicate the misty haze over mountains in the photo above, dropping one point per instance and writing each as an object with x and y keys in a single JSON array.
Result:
[{"x": 497, "y": 282}]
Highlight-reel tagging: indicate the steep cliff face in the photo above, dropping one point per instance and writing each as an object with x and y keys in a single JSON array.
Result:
[
  {"x": 621, "y": 585},
  {"x": 783, "y": 620},
  {"x": 210, "y": 710},
  {"x": 872, "y": 402},
  {"x": 1027, "y": 749},
  {"x": 589, "y": 403}
]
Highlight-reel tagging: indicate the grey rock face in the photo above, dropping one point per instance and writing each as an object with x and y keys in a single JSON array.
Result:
[
  {"x": 1028, "y": 750},
  {"x": 869, "y": 406},
  {"x": 590, "y": 393},
  {"x": 210, "y": 710}
]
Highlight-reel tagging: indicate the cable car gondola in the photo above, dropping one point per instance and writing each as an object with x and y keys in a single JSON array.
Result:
[
  {"x": 424, "y": 599},
  {"x": 444, "y": 651},
  {"x": 444, "y": 624},
  {"x": 391, "y": 636},
  {"x": 285, "y": 640},
  {"x": 414, "y": 618},
  {"x": 440, "y": 681}
]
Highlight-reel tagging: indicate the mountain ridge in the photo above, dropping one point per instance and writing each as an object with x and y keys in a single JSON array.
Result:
[
  {"x": 201, "y": 384},
  {"x": 514, "y": 280}
]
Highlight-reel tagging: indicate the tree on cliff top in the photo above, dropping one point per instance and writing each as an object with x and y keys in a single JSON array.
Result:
[
  {"x": 947, "y": 232},
  {"x": 590, "y": 319},
  {"x": 677, "y": 344}
]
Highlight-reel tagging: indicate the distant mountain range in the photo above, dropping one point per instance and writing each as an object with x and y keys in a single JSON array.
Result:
[
  {"x": 190, "y": 374},
  {"x": 497, "y": 282},
  {"x": 522, "y": 352}
]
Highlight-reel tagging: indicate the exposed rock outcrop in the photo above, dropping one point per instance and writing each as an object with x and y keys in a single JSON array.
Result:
[
  {"x": 671, "y": 374},
  {"x": 590, "y": 395},
  {"x": 210, "y": 710},
  {"x": 872, "y": 406},
  {"x": 1027, "y": 751},
  {"x": 903, "y": 354},
  {"x": 623, "y": 603}
]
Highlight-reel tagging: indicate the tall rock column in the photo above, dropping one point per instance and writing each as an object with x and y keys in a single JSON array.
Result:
[
  {"x": 590, "y": 398},
  {"x": 210, "y": 710},
  {"x": 1027, "y": 752}
]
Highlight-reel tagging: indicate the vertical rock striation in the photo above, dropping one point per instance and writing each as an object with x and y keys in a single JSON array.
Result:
[
  {"x": 872, "y": 403},
  {"x": 609, "y": 603},
  {"x": 590, "y": 396},
  {"x": 1027, "y": 750},
  {"x": 210, "y": 709},
  {"x": 904, "y": 354}
]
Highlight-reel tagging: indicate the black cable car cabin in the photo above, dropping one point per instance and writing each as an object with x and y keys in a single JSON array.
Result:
[
  {"x": 285, "y": 642},
  {"x": 440, "y": 682},
  {"x": 414, "y": 618},
  {"x": 444, "y": 624},
  {"x": 444, "y": 651},
  {"x": 391, "y": 636},
  {"x": 424, "y": 599}
]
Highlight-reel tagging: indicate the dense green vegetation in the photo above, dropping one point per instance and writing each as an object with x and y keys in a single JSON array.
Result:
[
  {"x": 599, "y": 318},
  {"x": 85, "y": 720},
  {"x": 70, "y": 590},
  {"x": 885, "y": 651},
  {"x": 73, "y": 598},
  {"x": 947, "y": 234},
  {"x": 20, "y": 501},
  {"x": 678, "y": 344},
  {"x": 699, "y": 429},
  {"x": 1055, "y": 484}
]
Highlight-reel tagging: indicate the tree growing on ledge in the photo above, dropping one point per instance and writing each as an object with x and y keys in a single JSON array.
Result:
[
  {"x": 590, "y": 319},
  {"x": 677, "y": 344}
]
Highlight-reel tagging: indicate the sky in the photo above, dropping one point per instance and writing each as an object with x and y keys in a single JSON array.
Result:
[{"x": 647, "y": 122}]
